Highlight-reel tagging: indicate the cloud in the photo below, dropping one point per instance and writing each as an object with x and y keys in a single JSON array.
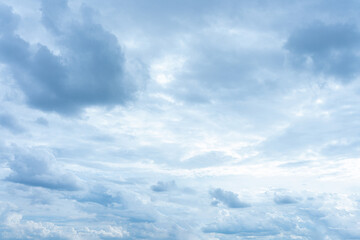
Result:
[
  {"x": 330, "y": 49},
  {"x": 211, "y": 158},
  {"x": 228, "y": 198},
  {"x": 8, "y": 21},
  {"x": 109, "y": 232},
  {"x": 89, "y": 69},
  {"x": 39, "y": 168},
  {"x": 17, "y": 228},
  {"x": 53, "y": 13},
  {"x": 163, "y": 186},
  {"x": 218, "y": 74},
  {"x": 252, "y": 224},
  {"x": 222, "y": 109},
  {"x": 9, "y": 122},
  {"x": 317, "y": 217},
  {"x": 284, "y": 199},
  {"x": 42, "y": 121},
  {"x": 101, "y": 195}
]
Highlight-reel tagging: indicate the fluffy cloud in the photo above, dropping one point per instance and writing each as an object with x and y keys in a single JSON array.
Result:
[
  {"x": 228, "y": 198},
  {"x": 268, "y": 221},
  {"x": 163, "y": 186},
  {"x": 330, "y": 49},
  {"x": 17, "y": 228},
  {"x": 100, "y": 195},
  {"x": 88, "y": 70},
  {"x": 109, "y": 233},
  {"x": 34, "y": 167},
  {"x": 284, "y": 199}
]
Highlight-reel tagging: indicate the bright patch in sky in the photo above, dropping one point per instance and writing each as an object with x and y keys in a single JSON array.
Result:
[{"x": 179, "y": 119}]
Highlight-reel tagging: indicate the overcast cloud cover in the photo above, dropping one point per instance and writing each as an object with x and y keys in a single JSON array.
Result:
[{"x": 179, "y": 119}]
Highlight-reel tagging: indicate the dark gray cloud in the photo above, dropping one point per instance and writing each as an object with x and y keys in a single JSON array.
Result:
[
  {"x": 34, "y": 167},
  {"x": 326, "y": 48},
  {"x": 89, "y": 70},
  {"x": 228, "y": 198},
  {"x": 9, "y": 122}
]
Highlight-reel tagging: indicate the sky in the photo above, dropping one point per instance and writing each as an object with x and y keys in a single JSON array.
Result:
[{"x": 188, "y": 120}]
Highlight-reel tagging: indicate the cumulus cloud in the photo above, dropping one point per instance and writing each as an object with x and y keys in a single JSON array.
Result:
[
  {"x": 330, "y": 49},
  {"x": 227, "y": 198},
  {"x": 89, "y": 70},
  {"x": 37, "y": 167},
  {"x": 109, "y": 232},
  {"x": 317, "y": 217},
  {"x": 14, "y": 226},
  {"x": 164, "y": 186},
  {"x": 17, "y": 228},
  {"x": 251, "y": 228},
  {"x": 100, "y": 195},
  {"x": 284, "y": 199}
]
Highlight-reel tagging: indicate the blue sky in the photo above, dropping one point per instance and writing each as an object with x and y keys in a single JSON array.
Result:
[{"x": 179, "y": 119}]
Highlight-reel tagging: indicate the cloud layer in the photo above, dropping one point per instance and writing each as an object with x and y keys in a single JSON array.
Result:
[{"x": 179, "y": 119}]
